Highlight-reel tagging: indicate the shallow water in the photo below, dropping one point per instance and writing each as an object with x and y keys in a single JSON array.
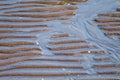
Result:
[{"x": 80, "y": 26}]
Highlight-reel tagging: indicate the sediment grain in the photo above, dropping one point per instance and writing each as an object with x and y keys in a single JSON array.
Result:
[
  {"x": 45, "y": 74},
  {"x": 110, "y": 14},
  {"x": 105, "y": 65},
  {"x": 102, "y": 58},
  {"x": 14, "y": 50},
  {"x": 7, "y": 56},
  {"x": 65, "y": 13},
  {"x": 109, "y": 72},
  {"x": 42, "y": 9},
  {"x": 118, "y": 9},
  {"x": 34, "y": 30},
  {"x": 113, "y": 33},
  {"x": 60, "y": 35},
  {"x": 103, "y": 20},
  {"x": 22, "y": 26},
  {"x": 39, "y": 30},
  {"x": 21, "y": 20},
  {"x": 40, "y": 66},
  {"x": 9, "y": 31},
  {"x": 67, "y": 41},
  {"x": 70, "y": 47},
  {"x": 99, "y": 78},
  {"x": 13, "y": 36},
  {"x": 108, "y": 24},
  {"x": 80, "y": 52},
  {"x": 111, "y": 28},
  {"x": 6, "y": 62},
  {"x": 14, "y": 43}
]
